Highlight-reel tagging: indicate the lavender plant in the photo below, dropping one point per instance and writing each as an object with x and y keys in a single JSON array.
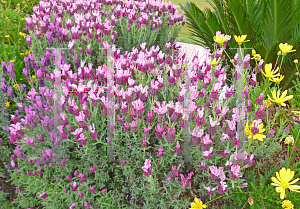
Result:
[
  {"x": 96, "y": 26},
  {"x": 63, "y": 166}
]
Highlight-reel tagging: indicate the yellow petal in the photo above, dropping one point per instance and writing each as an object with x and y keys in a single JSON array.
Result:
[
  {"x": 268, "y": 68},
  {"x": 276, "y": 70},
  {"x": 274, "y": 94},
  {"x": 294, "y": 188},
  {"x": 296, "y": 180},
  {"x": 279, "y": 189},
  {"x": 278, "y": 177},
  {"x": 283, "y": 94},
  {"x": 275, "y": 180},
  {"x": 196, "y": 200},
  {"x": 282, "y": 173},
  {"x": 282, "y": 194}
]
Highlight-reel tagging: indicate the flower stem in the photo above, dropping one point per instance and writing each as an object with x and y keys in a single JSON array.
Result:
[
  {"x": 294, "y": 149},
  {"x": 223, "y": 196}
]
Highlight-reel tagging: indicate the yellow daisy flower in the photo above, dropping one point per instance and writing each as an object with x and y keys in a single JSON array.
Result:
[
  {"x": 197, "y": 205},
  {"x": 256, "y": 132},
  {"x": 277, "y": 79},
  {"x": 257, "y": 57},
  {"x": 215, "y": 62},
  {"x": 282, "y": 182},
  {"x": 21, "y": 53},
  {"x": 7, "y": 36},
  {"x": 12, "y": 60},
  {"x": 33, "y": 76},
  {"x": 282, "y": 99},
  {"x": 267, "y": 103},
  {"x": 289, "y": 139},
  {"x": 285, "y": 48},
  {"x": 7, "y": 104},
  {"x": 221, "y": 39},
  {"x": 269, "y": 72},
  {"x": 287, "y": 204},
  {"x": 240, "y": 39}
]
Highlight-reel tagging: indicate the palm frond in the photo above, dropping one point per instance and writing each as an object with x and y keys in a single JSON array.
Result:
[
  {"x": 197, "y": 22},
  {"x": 220, "y": 13},
  {"x": 239, "y": 21},
  {"x": 296, "y": 22},
  {"x": 254, "y": 10},
  {"x": 277, "y": 21}
]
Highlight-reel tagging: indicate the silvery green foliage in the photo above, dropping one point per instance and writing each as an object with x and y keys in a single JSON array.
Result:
[{"x": 5, "y": 119}]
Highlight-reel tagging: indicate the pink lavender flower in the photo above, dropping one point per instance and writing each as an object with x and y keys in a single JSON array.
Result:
[
  {"x": 69, "y": 178},
  {"x": 171, "y": 135},
  {"x": 146, "y": 130},
  {"x": 160, "y": 152},
  {"x": 103, "y": 192},
  {"x": 259, "y": 100},
  {"x": 88, "y": 51},
  {"x": 146, "y": 168},
  {"x": 82, "y": 140},
  {"x": 87, "y": 205},
  {"x": 123, "y": 163},
  {"x": 203, "y": 166},
  {"x": 173, "y": 174},
  {"x": 74, "y": 186},
  {"x": 82, "y": 178},
  {"x": 250, "y": 161},
  {"x": 93, "y": 169},
  {"x": 73, "y": 205},
  {"x": 138, "y": 105},
  {"x": 234, "y": 174},
  {"x": 205, "y": 139},
  {"x": 150, "y": 118},
  {"x": 80, "y": 195},
  {"x": 184, "y": 181},
  {"x": 209, "y": 190},
  {"x": 63, "y": 163},
  {"x": 215, "y": 173},
  {"x": 208, "y": 154},
  {"x": 159, "y": 131},
  {"x": 225, "y": 153},
  {"x": 243, "y": 185},
  {"x": 144, "y": 143},
  {"x": 133, "y": 126},
  {"x": 92, "y": 189},
  {"x": 177, "y": 148},
  {"x": 43, "y": 195}
]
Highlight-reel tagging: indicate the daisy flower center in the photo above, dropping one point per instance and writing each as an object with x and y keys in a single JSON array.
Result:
[
  {"x": 284, "y": 184},
  {"x": 254, "y": 130}
]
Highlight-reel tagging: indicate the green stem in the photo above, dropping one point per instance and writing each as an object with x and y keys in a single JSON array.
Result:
[
  {"x": 294, "y": 149},
  {"x": 223, "y": 196}
]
